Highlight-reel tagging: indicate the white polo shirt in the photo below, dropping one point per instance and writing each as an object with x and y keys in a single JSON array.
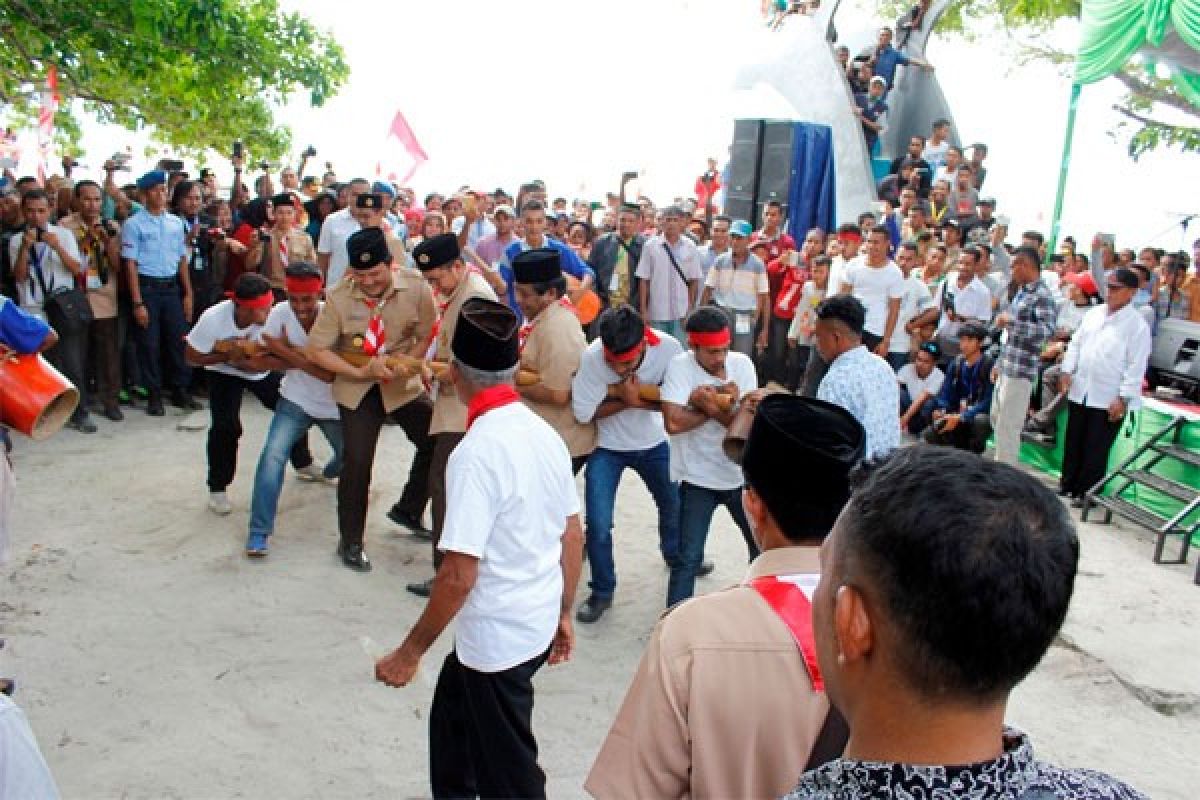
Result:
[
  {"x": 509, "y": 492},
  {"x": 697, "y": 456},
  {"x": 312, "y": 394},
  {"x": 915, "y": 301},
  {"x": 54, "y": 273},
  {"x": 631, "y": 429},
  {"x": 335, "y": 230},
  {"x": 875, "y": 287},
  {"x": 218, "y": 323}
]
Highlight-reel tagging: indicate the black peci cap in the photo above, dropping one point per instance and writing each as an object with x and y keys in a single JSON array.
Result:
[{"x": 485, "y": 337}]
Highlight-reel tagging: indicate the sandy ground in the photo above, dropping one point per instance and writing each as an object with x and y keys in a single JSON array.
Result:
[{"x": 154, "y": 660}]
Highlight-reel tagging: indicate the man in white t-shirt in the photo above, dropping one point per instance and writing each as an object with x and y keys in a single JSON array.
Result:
[
  {"x": 513, "y": 548},
  {"x": 699, "y": 398},
  {"x": 920, "y": 382},
  {"x": 879, "y": 285},
  {"x": 916, "y": 307},
  {"x": 618, "y": 375},
  {"x": 225, "y": 342},
  {"x": 305, "y": 399},
  {"x": 23, "y": 770},
  {"x": 961, "y": 297},
  {"x": 336, "y": 230},
  {"x": 45, "y": 260}
]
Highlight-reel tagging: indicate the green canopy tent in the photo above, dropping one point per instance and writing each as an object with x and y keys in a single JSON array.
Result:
[{"x": 1113, "y": 30}]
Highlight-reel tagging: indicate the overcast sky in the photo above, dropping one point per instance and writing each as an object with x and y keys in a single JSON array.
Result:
[{"x": 575, "y": 93}]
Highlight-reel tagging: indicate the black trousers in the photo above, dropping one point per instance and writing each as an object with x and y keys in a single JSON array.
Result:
[
  {"x": 481, "y": 733},
  {"x": 971, "y": 435},
  {"x": 225, "y": 407},
  {"x": 360, "y": 434},
  {"x": 1090, "y": 435},
  {"x": 69, "y": 357},
  {"x": 814, "y": 373},
  {"x": 163, "y": 335}
]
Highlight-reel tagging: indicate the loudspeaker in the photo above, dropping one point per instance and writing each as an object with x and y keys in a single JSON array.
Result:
[
  {"x": 760, "y": 167},
  {"x": 775, "y": 166},
  {"x": 744, "y": 156}
]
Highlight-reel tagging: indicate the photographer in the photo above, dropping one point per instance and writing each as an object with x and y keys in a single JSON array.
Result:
[
  {"x": 46, "y": 263},
  {"x": 284, "y": 243},
  {"x": 99, "y": 243}
]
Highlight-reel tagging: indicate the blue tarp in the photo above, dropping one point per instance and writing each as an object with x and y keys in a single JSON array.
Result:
[{"x": 812, "y": 193}]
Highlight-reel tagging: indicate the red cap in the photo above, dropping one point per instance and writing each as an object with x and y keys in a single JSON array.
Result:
[{"x": 1084, "y": 281}]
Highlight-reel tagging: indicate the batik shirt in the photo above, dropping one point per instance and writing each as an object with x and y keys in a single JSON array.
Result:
[{"x": 1015, "y": 775}]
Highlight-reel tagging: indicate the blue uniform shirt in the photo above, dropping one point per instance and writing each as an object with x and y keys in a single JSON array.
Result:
[
  {"x": 155, "y": 242},
  {"x": 571, "y": 264},
  {"x": 886, "y": 62}
]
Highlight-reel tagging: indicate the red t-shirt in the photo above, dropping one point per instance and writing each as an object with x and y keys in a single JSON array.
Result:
[{"x": 791, "y": 287}]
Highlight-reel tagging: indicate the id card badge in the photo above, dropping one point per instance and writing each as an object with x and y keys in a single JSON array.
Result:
[
  {"x": 614, "y": 283},
  {"x": 742, "y": 324},
  {"x": 93, "y": 281}
]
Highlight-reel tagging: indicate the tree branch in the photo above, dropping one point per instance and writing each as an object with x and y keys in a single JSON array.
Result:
[
  {"x": 1144, "y": 120},
  {"x": 1154, "y": 94}
]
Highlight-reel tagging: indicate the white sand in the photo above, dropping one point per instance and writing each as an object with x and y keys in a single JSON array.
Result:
[{"x": 154, "y": 660}]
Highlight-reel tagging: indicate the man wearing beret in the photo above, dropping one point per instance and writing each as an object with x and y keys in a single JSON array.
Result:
[
  {"x": 513, "y": 549},
  {"x": 287, "y": 243},
  {"x": 440, "y": 261},
  {"x": 552, "y": 344},
  {"x": 691, "y": 724},
  {"x": 154, "y": 250},
  {"x": 370, "y": 209},
  {"x": 629, "y": 355},
  {"x": 375, "y": 313}
]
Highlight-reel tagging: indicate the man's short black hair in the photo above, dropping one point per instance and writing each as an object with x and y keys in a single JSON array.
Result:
[
  {"x": 1028, "y": 252},
  {"x": 974, "y": 574},
  {"x": 1035, "y": 236},
  {"x": 910, "y": 247},
  {"x": 866, "y": 216},
  {"x": 822, "y": 261},
  {"x": 846, "y": 309},
  {"x": 852, "y": 228},
  {"x": 773, "y": 204},
  {"x": 706, "y": 319},
  {"x": 940, "y": 122},
  {"x": 1142, "y": 270},
  {"x": 533, "y": 205},
  {"x": 84, "y": 184},
  {"x": 302, "y": 269},
  {"x": 249, "y": 285},
  {"x": 728, "y": 220},
  {"x": 35, "y": 194},
  {"x": 620, "y": 328},
  {"x": 974, "y": 252}
]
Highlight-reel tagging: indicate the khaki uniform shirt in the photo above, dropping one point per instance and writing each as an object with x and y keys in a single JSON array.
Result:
[
  {"x": 299, "y": 248},
  {"x": 408, "y": 316},
  {"x": 553, "y": 347},
  {"x": 721, "y": 705},
  {"x": 103, "y": 300},
  {"x": 449, "y": 413}
]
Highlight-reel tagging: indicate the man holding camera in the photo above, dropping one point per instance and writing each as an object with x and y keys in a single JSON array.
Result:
[
  {"x": 153, "y": 248},
  {"x": 46, "y": 263},
  {"x": 284, "y": 244},
  {"x": 100, "y": 247}
]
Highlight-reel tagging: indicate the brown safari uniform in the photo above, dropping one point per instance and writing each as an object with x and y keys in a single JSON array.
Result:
[
  {"x": 553, "y": 348},
  {"x": 299, "y": 248},
  {"x": 721, "y": 706},
  {"x": 408, "y": 315}
]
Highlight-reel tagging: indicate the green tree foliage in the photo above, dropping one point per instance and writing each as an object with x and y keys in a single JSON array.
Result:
[
  {"x": 198, "y": 73},
  {"x": 1155, "y": 113}
]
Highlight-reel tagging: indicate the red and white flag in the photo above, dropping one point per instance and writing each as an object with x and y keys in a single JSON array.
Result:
[
  {"x": 402, "y": 154},
  {"x": 50, "y": 101}
]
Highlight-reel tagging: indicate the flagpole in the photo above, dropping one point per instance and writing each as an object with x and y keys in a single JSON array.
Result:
[{"x": 1064, "y": 166}]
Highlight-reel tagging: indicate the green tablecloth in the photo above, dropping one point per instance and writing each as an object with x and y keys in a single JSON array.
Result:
[{"x": 1138, "y": 428}]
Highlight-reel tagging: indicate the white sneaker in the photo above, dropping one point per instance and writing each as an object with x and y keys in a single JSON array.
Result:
[
  {"x": 218, "y": 503},
  {"x": 312, "y": 473}
]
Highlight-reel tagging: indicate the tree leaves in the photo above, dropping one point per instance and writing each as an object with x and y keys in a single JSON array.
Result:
[{"x": 200, "y": 73}]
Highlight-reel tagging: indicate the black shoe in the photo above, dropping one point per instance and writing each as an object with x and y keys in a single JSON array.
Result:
[
  {"x": 704, "y": 569},
  {"x": 82, "y": 423},
  {"x": 354, "y": 557},
  {"x": 414, "y": 524},
  {"x": 154, "y": 405},
  {"x": 181, "y": 399},
  {"x": 113, "y": 411},
  {"x": 422, "y": 589},
  {"x": 593, "y": 609}
]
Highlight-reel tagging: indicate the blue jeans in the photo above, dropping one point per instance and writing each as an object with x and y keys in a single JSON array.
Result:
[
  {"x": 604, "y": 468},
  {"x": 696, "y": 507},
  {"x": 288, "y": 426}
]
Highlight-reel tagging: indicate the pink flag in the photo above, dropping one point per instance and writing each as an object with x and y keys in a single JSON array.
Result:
[
  {"x": 50, "y": 101},
  {"x": 402, "y": 150}
]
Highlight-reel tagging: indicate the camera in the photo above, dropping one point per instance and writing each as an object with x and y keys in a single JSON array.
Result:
[
  {"x": 264, "y": 165},
  {"x": 263, "y": 236},
  {"x": 121, "y": 160},
  {"x": 239, "y": 151},
  {"x": 70, "y": 162},
  {"x": 309, "y": 152}
]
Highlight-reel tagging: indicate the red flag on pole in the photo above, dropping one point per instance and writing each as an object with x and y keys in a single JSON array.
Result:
[
  {"x": 403, "y": 149},
  {"x": 50, "y": 101}
]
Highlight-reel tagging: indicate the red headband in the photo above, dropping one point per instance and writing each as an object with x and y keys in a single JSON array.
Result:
[
  {"x": 311, "y": 285},
  {"x": 264, "y": 300},
  {"x": 650, "y": 338},
  {"x": 709, "y": 338}
]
